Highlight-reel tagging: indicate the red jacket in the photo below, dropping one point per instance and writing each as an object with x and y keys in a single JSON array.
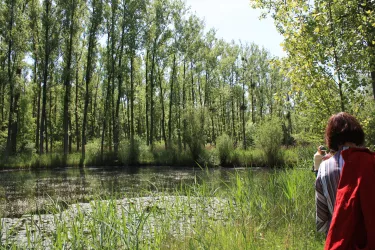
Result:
[{"x": 353, "y": 219}]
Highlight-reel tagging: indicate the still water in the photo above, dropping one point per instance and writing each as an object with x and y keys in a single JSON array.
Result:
[{"x": 25, "y": 191}]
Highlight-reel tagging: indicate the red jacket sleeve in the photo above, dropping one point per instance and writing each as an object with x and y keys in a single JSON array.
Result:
[
  {"x": 367, "y": 197},
  {"x": 353, "y": 220}
]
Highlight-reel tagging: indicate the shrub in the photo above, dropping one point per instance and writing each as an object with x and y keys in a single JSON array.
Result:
[
  {"x": 134, "y": 151},
  {"x": 194, "y": 134},
  {"x": 240, "y": 158},
  {"x": 145, "y": 154},
  {"x": 92, "y": 152},
  {"x": 268, "y": 138},
  {"x": 305, "y": 153},
  {"x": 258, "y": 158},
  {"x": 290, "y": 156},
  {"x": 253, "y": 157},
  {"x": 224, "y": 147},
  {"x": 171, "y": 156},
  {"x": 129, "y": 152},
  {"x": 250, "y": 129}
]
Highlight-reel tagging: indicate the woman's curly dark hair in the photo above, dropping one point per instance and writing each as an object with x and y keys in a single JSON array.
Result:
[{"x": 342, "y": 128}]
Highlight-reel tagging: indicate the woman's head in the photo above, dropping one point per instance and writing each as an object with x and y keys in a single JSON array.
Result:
[{"x": 343, "y": 128}]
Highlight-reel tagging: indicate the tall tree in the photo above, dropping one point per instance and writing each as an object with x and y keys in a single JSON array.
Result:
[
  {"x": 329, "y": 46},
  {"x": 136, "y": 12},
  {"x": 111, "y": 15},
  {"x": 69, "y": 12},
  {"x": 35, "y": 14},
  {"x": 93, "y": 32},
  {"x": 49, "y": 43},
  {"x": 16, "y": 38},
  {"x": 160, "y": 33}
]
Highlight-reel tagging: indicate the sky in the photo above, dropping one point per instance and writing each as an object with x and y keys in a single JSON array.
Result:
[{"x": 236, "y": 20}]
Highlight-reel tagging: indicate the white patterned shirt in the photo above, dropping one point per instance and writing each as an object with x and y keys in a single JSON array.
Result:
[{"x": 325, "y": 190}]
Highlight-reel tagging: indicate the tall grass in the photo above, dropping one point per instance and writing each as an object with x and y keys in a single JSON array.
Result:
[
  {"x": 251, "y": 210},
  {"x": 45, "y": 160}
]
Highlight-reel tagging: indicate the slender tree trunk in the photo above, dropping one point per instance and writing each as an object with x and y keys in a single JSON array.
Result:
[
  {"x": 132, "y": 99},
  {"x": 15, "y": 123},
  {"x": 207, "y": 101},
  {"x": 112, "y": 122},
  {"x": 116, "y": 120},
  {"x": 87, "y": 96},
  {"x": 337, "y": 66},
  {"x": 222, "y": 114},
  {"x": 162, "y": 110},
  {"x": 192, "y": 84},
  {"x": 103, "y": 135},
  {"x": 46, "y": 122},
  {"x": 152, "y": 80},
  {"x": 55, "y": 119},
  {"x": 206, "y": 89},
  {"x": 213, "y": 129},
  {"x": 232, "y": 104},
  {"x": 199, "y": 89},
  {"x": 107, "y": 99},
  {"x": 2, "y": 89},
  {"x": 184, "y": 105},
  {"x": 203, "y": 111},
  {"x": 50, "y": 121},
  {"x": 105, "y": 115},
  {"x": 39, "y": 90},
  {"x": 66, "y": 117},
  {"x": 261, "y": 105},
  {"x": 171, "y": 101},
  {"x": 9, "y": 145},
  {"x": 271, "y": 94},
  {"x": 243, "y": 113},
  {"x": 252, "y": 86},
  {"x": 45, "y": 78},
  {"x": 178, "y": 101},
  {"x": 67, "y": 84},
  {"x": 2, "y": 101},
  {"x": 95, "y": 129},
  {"x": 35, "y": 41},
  {"x": 147, "y": 104},
  {"x": 94, "y": 24},
  {"x": 36, "y": 73},
  {"x": 116, "y": 131},
  {"x": 128, "y": 118},
  {"x": 88, "y": 77},
  {"x": 239, "y": 119},
  {"x": 70, "y": 134},
  {"x": 76, "y": 112},
  {"x": 372, "y": 59}
]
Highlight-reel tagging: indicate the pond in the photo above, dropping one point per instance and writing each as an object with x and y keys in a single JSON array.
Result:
[{"x": 25, "y": 191}]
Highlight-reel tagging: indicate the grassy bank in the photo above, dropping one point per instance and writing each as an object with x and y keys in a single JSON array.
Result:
[
  {"x": 262, "y": 210},
  {"x": 209, "y": 155}
]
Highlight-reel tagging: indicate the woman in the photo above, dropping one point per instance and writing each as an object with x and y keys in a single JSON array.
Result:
[{"x": 345, "y": 187}]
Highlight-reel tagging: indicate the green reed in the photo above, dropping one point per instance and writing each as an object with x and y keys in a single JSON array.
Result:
[{"x": 251, "y": 210}]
